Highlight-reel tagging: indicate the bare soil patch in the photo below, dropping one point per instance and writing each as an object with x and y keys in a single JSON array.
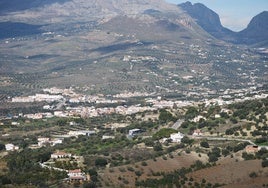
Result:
[
  {"x": 234, "y": 174},
  {"x": 125, "y": 176}
]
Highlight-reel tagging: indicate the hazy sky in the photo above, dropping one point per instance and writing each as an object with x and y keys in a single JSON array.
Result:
[{"x": 234, "y": 14}]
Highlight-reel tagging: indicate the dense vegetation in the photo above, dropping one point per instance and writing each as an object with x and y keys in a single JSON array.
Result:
[{"x": 24, "y": 168}]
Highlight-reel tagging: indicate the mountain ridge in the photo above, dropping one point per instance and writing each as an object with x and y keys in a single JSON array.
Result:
[
  {"x": 56, "y": 11},
  {"x": 208, "y": 20},
  {"x": 254, "y": 33}
]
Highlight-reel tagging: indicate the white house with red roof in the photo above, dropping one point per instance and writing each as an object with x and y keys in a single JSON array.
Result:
[
  {"x": 197, "y": 132},
  {"x": 77, "y": 175}
]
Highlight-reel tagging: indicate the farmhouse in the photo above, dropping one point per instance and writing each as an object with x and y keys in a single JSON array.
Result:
[
  {"x": 84, "y": 133},
  {"x": 76, "y": 175},
  {"x": 60, "y": 154},
  {"x": 198, "y": 118},
  {"x": 134, "y": 132},
  {"x": 11, "y": 147},
  {"x": 44, "y": 141},
  {"x": 197, "y": 132},
  {"x": 176, "y": 137}
]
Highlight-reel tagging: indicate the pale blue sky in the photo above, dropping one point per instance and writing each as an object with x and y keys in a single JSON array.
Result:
[{"x": 234, "y": 14}]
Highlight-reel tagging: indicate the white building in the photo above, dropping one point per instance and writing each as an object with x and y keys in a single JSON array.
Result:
[
  {"x": 44, "y": 141},
  {"x": 198, "y": 118},
  {"x": 60, "y": 154},
  {"x": 104, "y": 137},
  {"x": 55, "y": 141},
  {"x": 15, "y": 123},
  {"x": 134, "y": 132},
  {"x": 176, "y": 137},
  {"x": 83, "y": 133},
  {"x": 11, "y": 147},
  {"x": 77, "y": 175}
]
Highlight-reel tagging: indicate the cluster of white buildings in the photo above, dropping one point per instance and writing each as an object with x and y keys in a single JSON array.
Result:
[
  {"x": 44, "y": 141},
  {"x": 131, "y": 94},
  {"x": 81, "y": 133},
  {"x": 55, "y": 90},
  {"x": 56, "y": 94},
  {"x": 38, "y": 98},
  {"x": 124, "y": 110},
  {"x": 38, "y": 115},
  {"x": 93, "y": 99},
  {"x": 128, "y": 58},
  {"x": 73, "y": 175},
  {"x": 220, "y": 101}
]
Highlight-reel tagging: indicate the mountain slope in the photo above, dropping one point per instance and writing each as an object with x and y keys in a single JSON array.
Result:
[
  {"x": 7, "y": 6},
  {"x": 208, "y": 20},
  {"x": 116, "y": 45},
  {"x": 56, "y": 11},
  {"x": 256, "y": 31},
  {"x": 71, "y": 29},
  {"x": 85, "y": 16}
]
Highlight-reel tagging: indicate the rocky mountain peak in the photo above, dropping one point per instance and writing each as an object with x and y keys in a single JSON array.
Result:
[{"x": 256, "y": 30}]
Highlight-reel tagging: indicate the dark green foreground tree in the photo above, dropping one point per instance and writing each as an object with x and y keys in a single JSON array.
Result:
[{"x": 24, "y": 168}]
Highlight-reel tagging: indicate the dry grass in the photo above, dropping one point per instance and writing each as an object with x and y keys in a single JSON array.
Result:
[
  {"x": 119, "y": 175},
  {"x": 234, "y": 173}
]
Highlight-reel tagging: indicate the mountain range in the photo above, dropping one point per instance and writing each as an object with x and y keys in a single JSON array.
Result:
[
  {"x": 22, "y": 18},
  {"x": 137, "y": 44}
]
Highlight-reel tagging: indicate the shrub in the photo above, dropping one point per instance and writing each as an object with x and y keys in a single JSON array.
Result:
[
  {"x": 158, "y": 147},
  {"x": 143, "y": 163},
  {"x": 122, "y": 169},
  {"x": 187, "y": 140},
  {"x": 253, "y": 175},
  {"x": 204, "y": 144},
  {"x": 2, "y": 147},
  {"x": 165, "y": 116},
  {"x": 101, "y": 162},
  {"x": 247, "y": 156},
  {"x": 264, "y": 163},
  {"x": 129, "y": 168},
  {"x": 138, "y": 173}
]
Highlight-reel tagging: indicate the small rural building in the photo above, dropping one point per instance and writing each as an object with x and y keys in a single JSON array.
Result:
[
  {"x": 197, "y": 132},
  {"x": 60, "y": 154},
  {"x": 82, "y": 133},
  {"x": 104, "y": 137},
  {"x": 11, "y": 147},
  {"x": 134, "y": 132},
  {"x": 198, "y": 118},
  {"x": 77, "y": 175},
  {"x": 176, "y": 137}
]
